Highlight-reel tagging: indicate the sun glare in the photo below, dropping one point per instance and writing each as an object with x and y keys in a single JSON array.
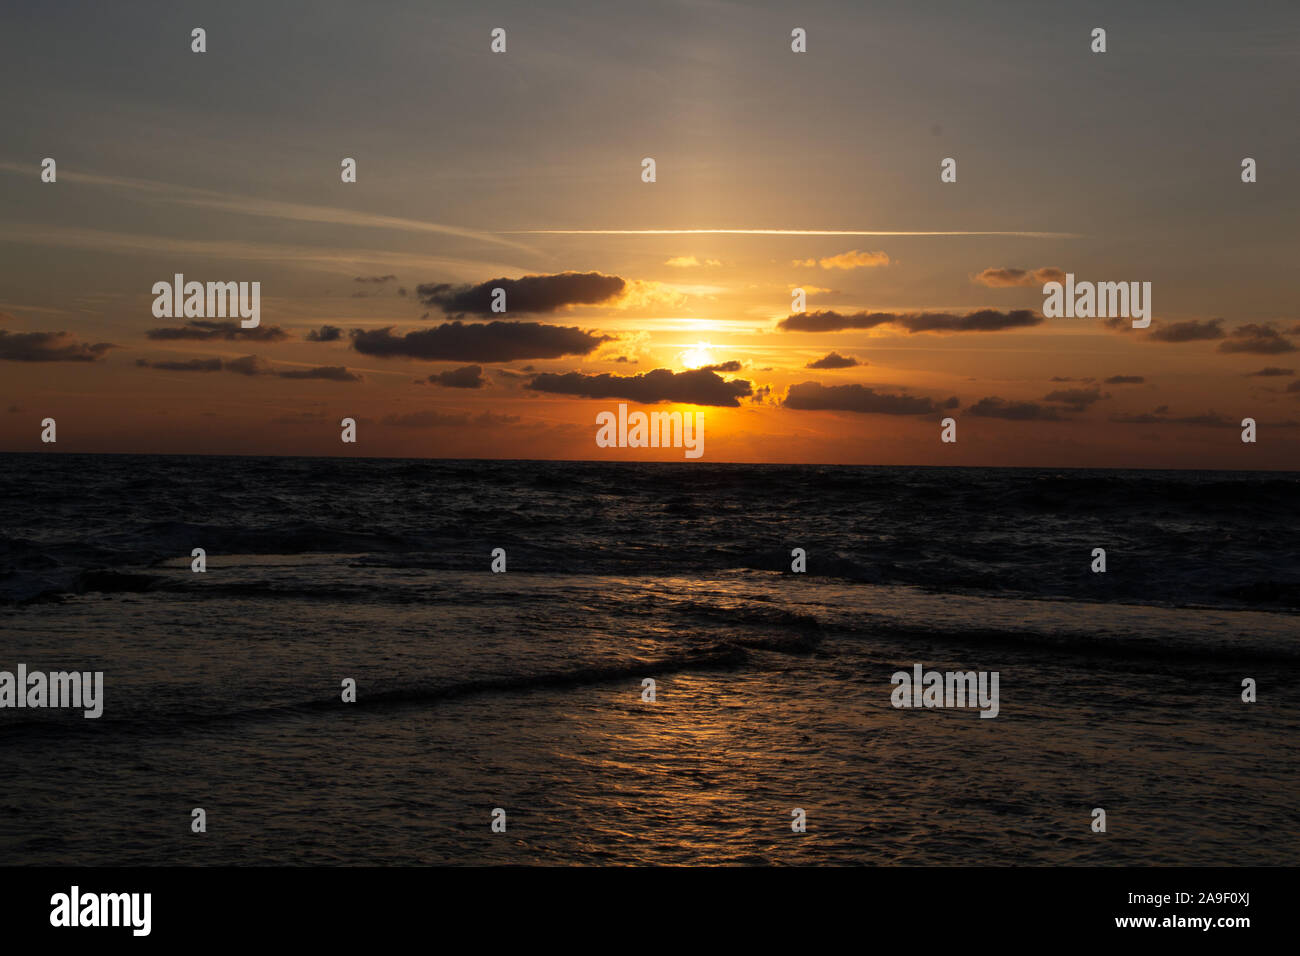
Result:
[{"x": 699, "y": 355}]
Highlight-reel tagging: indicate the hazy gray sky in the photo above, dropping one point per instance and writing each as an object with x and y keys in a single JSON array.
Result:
[{"x": 225, "y": 165}]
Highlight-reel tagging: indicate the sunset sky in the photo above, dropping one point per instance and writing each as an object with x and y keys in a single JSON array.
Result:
[{"x": 476, "y": 167}]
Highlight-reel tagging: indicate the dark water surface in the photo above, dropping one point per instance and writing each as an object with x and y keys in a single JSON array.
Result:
[{"x": 523, "y": 690}]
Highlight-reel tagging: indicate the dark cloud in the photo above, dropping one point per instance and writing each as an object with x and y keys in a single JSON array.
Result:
[
  {"x": 432, "y": 419},
  {"x": 983, "y": 320},
  {"x": 834, "y": 321},
  {"x": 813, "y": 396},
  {"x": 1066, "y": 378},
  {"x": 375, "y": 279},
  {"x": 252, "y": 365},
  {"x": 1189, "y": 331},
  {"x": 248, "y": 365},
  {"x": 470, "y": 376},
  {"x": 1005, "y": 278},
  {"x": 1124, "y": 380},
  {"x": 994, "y": 407},
  {"x": 1076, "y": 398},
  {"x": 834, "y": 360},
  {"x": 1160, "y": 417},
  {"x": 1271, "y": 371},
  {"x": 49, "y": 347},
  {"x": 540, "y": 293},
  {"x": 693, "y": 387},
  {"x": 188, "y": 365},
  {"x": 329, "y": 373},
  {"x": 326, "y": 333},
  {"x": 1293, "y": 386},
  {"x": 488, "y": 342},
  {"x": 1259, "y": 339},
  {"x": 204, "y": 329},
  {"x": 732, "y": 366}
]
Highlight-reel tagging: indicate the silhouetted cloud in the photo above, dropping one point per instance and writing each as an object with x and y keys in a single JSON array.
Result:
[
  {"x": 49, "y": 347},
  {"x": 330, "y": 373},
  {"x": 434, "y": 419},
  {"x": 731, "y": 366},
  {"x": 1077, "y": 399},
  {"x": 1259, "y": 339},
  {"x": 1029, "y": 278},
  {"x": 834, "y": 360},
  {"x": 252, "y": 365},
  {"x": 813, "y": 396},
  {"x": 994, "y": 407},
  {"x": 1270, "y": 371},
  {"x": 187, "y": 365},
  {"x": 1159, "y": 417},
  {"x": 469, "y": 376},
  {"x": 375, "y": 279},
  {"x": 326, "y": 333},
  {"x": 539, "y": 293},
  {"x": 487, "y": 342},
  {"x": 692, "y": 387},
  {"x": 1124, "y": 380},
  {"x": 983, "y": 320},
  {"x": 248, "y": 365},
  {"x": 204, "y": 329},
  {"x": 1189, "y": 331}
]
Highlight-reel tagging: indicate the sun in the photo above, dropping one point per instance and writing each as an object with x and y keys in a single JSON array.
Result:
[{"x": 699, "y": 355}]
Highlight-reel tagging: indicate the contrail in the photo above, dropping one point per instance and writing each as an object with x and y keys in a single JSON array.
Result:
[
  {"x": 780, "y": 232},
  {"x": 273, "y": 209}
]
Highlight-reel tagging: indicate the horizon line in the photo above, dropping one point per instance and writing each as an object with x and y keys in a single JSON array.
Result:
[
  {"x": 648, "y": 461},
  {"x": 785, "y": 232}
]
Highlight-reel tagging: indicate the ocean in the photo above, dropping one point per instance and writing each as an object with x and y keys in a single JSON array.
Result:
[{"x": 523, "y": 691}]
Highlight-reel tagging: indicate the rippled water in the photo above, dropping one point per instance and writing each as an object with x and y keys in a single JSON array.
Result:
[{"x": 523, "y": 690}]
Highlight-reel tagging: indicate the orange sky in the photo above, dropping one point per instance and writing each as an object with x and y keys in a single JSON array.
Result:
[{"x": 809, "y": 181}]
